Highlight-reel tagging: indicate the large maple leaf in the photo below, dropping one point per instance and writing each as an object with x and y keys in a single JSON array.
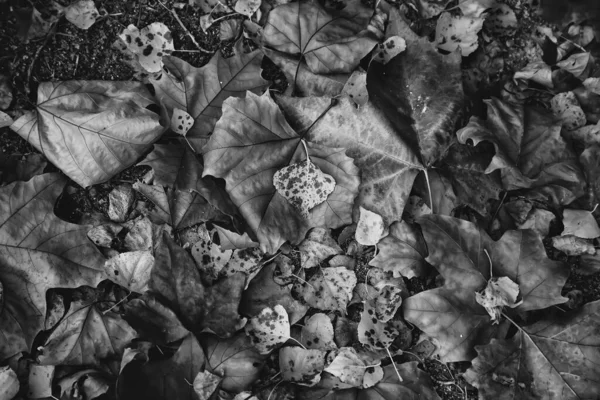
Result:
[
  {"x": 387, "y": 164},
  {"x": 330, "y": 40},
  {"x": 450, "y": 314},
  {"x": 419, "y": 91},
  {"x": 251, "y": 142},
  {"x": 551, "y": 359},
  {"x": 38, "y": 251},
  {"x": 201, "y": 91},
  {"x": 91, "y": 130},
  {"x": 530, "y": 152}
]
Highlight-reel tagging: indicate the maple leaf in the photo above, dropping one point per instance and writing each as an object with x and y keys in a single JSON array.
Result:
[
  {"x": 201, "y": 91},
  {"x": 38, "y": 251},
  {"x": 329, "y": 289},
  {"x": 553, "y": 358},
  {"x": 235, "y": 359},
  {"x": 420, "y": 92},
  {"x": 301, "y": 366},
  {"x": 330, "y": 40},
  {"x": 402, "y": 252},
  {"x": 450, "y": 314},
  {"x": 387, "y": 164},
  {"x": 91, "y": 130},
  {"x": 250, "y": 143},
  {"x": 530, "y": 152},
  {"x": 87, "y": 336}
]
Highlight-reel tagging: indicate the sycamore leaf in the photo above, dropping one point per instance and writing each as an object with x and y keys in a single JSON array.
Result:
[
  {"x": 452, "y": 32},
  {"x": 430, "y": 8},
  {"x": 317, "y": 333},
  {"x": 330, "y": 40},
  {"x": 185, "y": 173},
  {"x": 318, "y": 246},
  {"x": 87, "y": 336},
  {"x": 201, "y": 91},
  {"x": 387, "y": 165},
  {"x": 221, "y": 304},
  {"x": 402, "y": 252},
  {"x": 145, "y": 48},
  {"x": 530, "y": 152},
  {"x": 178, "y": 208},
  {"x": 578, "y": 64},
  {"x": 152, "y": 320},
  {"x": 301, "y": 366},
  {"x": 205, "y": 384},
  {"x": 580, "y": 223},
  {"x": 91, "y": 130},
  {"x": 235, "y": 359},
  {"x": 538, "y": 72},
  {"x": 303, "y": 185},
  {"x": 502, "y": 21},
  {"x": 9, "y": 383},
  {"x": 166, "y": 378},
  {"x": 329, "y": 289},
  {"x": 82, "y": 13},
  {"x": 554, "y": 358},
  {"x": 420, "y": 92},
  {"x": 210, "y": 258},
  {"x": 131, "y": 270},
  {"x": 370, "y": 227},
  {"x": 269, "y": 329},
  {"x": 450, "y": 314},
  {"x": 38, "y": 251},
  {"x": 250, "y": 143},
  {"x": 353, "y": 370}
]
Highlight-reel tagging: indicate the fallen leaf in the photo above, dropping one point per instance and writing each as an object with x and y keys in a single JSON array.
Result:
[
  {"x": 498, "y": 293},
  {"x": 39, "y": 382},
  {"x": 370, "y": 228},
  {"x": 502, "y": 20},
  {"x": 201, "y": 91},
  {"x": 402, "y": 252},
  {"x": 530, "y": 152},
  {"x": 231, "y": 240},
  {"x": 86, "y": 336},
  {"x": 91, "y": 130},
  {"x": 9, "y": 383},
  {"x": 120, "y": 201},
  {"x": 331, "y": 40},
  {"x": 389, "y": 49},
  {"x": 373, "y": 333},
  {"x": 387, "y": 165},
  {"x": 566, "y": 108},
  {"x": 269, "y": 329},
  {"x": 6, "y": 96},
  {"x": 38, "y": 24},
  {"x": 181, "y": 122},
  {"x": 551, "y": 357},
  {"x": 352, "y": 370},
  {"x": 205, "y": 384},
  {"x": 580, "y": 223},
  {"x": 329, "y": 289},
  {"x": 82, "y": 13},
  {"x": 89, "y": 382},
  {"x": 578, "y": 64},
  {"x": 247, "y": 7},
  {"x": 430, "y": 8},
  {"x": 38, "y": 252},
  {"x": 387, "y": 302},
  {"x": 140, "y": 236},
  {"x": 235, "y": 358},
  {"x": 146, "y": 48},
  {"x": 317, "y": 247},
  {"x": 475, "y": 8},
  {"x": 250, "y": 143},
  {"x": 592, "y": 84},
  {"x": 590, "y": 160},
  {"x": 538, "y": 221},
  {"x": 573, "y": 245},
  {"x": 356, "y": 88},
  {"x": 229, "y": 29},
  {"x": 5, "y": 120},
  {"x": 450, "y": 314},
  {"x": 452, "y": 32},
  {"x": 415, "y": 384},
  {"x": 20, "y": 168},
  {"x": 221, "y": 304},
  {"x": 538, "y": 72},
  {"x": 301, "y": 366},
  {"x": 131, "y": 270},
  {"x": 317, "y": 333}
]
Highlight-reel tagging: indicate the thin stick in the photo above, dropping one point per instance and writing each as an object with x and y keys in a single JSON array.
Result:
[
  {"x": 116, "y": 304},
  {"x": 490, "y": 259},
  {"x": 429, "y": 190},
  {"x": 301, "y": 345},
  {"x": 394, "y": 364},
  {"x": 174, "y": 13}
]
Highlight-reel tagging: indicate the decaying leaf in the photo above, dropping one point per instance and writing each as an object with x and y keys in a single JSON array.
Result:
[
  {"x": 91, "y": 130},
  {"x": 580, "y": 223},
  {"x": 254, "y": 131},
  {"x": 370, "y": 227},
  {"x": 356, "y": 88},
  {"x": 153, "y": 320},
  {"x": 231, "y": 240},
  {"x": 373, "y": 333},
  {"x": 567, "y": 109},
  {"x": 82, "y": 13},
  {"x": 331, "y": 40},
  {"x": 318, "y": 246},
  {"x": 131, "y": 270},
  {"x": 301, "y": 366},
  {"x": 352, "y": 369},
  {"x": 201, "y": 91},
  {"x": 9, "y": 383},
  {"x": 181, "y": 121},
  {"x": 317, "y": 333},
  {"x": 554, "y": 357},
  {"x": 40, "y": 381},
  {"x": 91, "y": 383},
  {"x": 329, "y": 289},
  {"x": 38, "y": 251},
  {"x": 498, "y": 293},
  {"x": 20, "y": 168},
  {"x": 145, "y": 48},
  {"x": 460, "y": 32},
  {"x": 205, "y": 384},
  {"x": 389, "y": 49},
  {"x": 573, "y": 245},
  {"x": 247, "y": 7},
  {"x": 269, "y": 329}
]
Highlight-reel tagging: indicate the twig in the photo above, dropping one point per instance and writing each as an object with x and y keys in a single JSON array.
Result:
[
  {"x": 394, "y": 364},
  {"x": 429, "y": 190},
  {"x": 174, "y": 13}
]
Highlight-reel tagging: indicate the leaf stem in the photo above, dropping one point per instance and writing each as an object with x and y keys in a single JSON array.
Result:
[
  {"x": 394, "y": 364},
  {"x": 294, "y": 340},
  {"x": 429, "y": 191}
]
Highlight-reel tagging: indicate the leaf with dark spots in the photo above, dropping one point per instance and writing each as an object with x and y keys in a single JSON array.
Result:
[
  {"x": 420, "y": 92},
  {"x": 329, "y": 289}
]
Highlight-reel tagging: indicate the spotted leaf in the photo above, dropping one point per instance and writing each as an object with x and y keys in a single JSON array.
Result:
[{"x": 269, "y": 329}]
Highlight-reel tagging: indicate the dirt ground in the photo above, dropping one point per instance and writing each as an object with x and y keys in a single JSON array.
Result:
[{"x": 70, "y": 53}]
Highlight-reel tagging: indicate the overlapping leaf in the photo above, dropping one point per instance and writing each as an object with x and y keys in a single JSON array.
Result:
[
  {"x": 387, "y": 164},
  {"x": 331, "y": 40},
  {"x": 530, "y": 152},
  {"x": 553, "y": 358},
  {"x": 450, "y": 314},
  {"x": 201, "y": 91},
  {"x": 250, "y": 143},
  {"x": 301, "y": 366},
  {"x": 91, "y": 130},
  {"x": 329, "y": 289},
  {"x": 38, "y": 251}
]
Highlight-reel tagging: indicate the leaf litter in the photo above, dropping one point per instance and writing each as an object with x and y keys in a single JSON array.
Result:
[{"x": 266, "y": 248}]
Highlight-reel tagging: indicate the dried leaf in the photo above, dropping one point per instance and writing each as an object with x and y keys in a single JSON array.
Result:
[
  {"x": 373, "y": 333},
  {"x": 590, "y": 160},
  {"x": 269, "y": 329},
  {"x": 181, "y": 122},
  {"x": 498, "y": 293},
  {"x": 580, "y": 223},
  {"x": 538, "y": 72},
  {"x": 9, "y": 383},
  {"x": 356, "y": 88},
  {"x": 502, "y": 20},
  {"x": 329, "y": 289},
  {"x": 389, "y": 49},
  {"x": 573, "y": 245},
  {"x": 39, "y": 383},
  {"x": 89, "y": 382},
  {"x": 205, "y": 384},
  {"x": 566, "y": 108},
  {"x": 247, "y": 7},
  {"x": 317, "y": 333},
  {"x": 232, "y": 240},
  {"x": 20, "y": 168},
  {"x": 301, "y": 366},
  {"x": 330, "y": 40},
  {"x": 82, "y": 13},
  {"x": 578, "y": 64},
  {"x": 153, "y": 320},
  {"x": 370, "y": 228},
  {"x": 131, "y": 270},
  {"x": 91, "y": 130},
  {"x": 352, "y": 370},
  {"x": 415, "y": 384},
  {"x": 318, "y": 246},
  {"x": 452, "y": 32},
  {"x": 145, "y": 48}
]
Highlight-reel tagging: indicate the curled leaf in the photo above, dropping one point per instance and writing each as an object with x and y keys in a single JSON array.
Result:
[{"x": 498, "y": 293}]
